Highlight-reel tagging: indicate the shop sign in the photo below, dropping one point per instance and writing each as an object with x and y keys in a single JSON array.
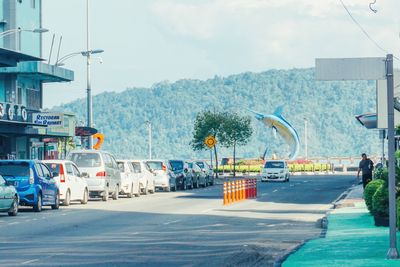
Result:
[{"x": 49, "y": 119}]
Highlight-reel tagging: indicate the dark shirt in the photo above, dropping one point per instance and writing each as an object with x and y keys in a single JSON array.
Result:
[{"x": 366, "y": 166}]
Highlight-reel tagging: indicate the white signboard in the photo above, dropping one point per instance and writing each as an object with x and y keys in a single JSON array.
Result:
[
  {"x": 49, "y": 119},
  {"x": 337, "y": 69},
  {"x": 381, "y": 101}
]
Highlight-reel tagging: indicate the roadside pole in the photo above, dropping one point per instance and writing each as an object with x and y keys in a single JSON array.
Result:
[{"x": 392, "y": 253}]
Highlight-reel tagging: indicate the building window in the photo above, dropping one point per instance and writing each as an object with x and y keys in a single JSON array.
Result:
[
  {"x": 33, "y": 99},
  {"x": 19, "y": 96}
]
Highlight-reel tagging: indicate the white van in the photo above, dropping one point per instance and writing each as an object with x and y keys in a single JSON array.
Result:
[
  {"x": 275, "y": 170},
  {"x": 100, "y": 170}
]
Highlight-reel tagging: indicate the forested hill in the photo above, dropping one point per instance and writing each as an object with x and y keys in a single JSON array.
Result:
[{"x": 330, "y": 108}]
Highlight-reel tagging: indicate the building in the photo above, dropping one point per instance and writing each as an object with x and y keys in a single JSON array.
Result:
[{"x": 25, "y": 130}]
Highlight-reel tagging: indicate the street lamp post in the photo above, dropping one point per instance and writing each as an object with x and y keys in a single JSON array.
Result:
[
  {"x": 305, "y": 138},
  {"x": 149, "y": 125}
]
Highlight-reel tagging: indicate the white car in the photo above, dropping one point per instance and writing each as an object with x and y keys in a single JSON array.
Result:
[
  {"x": 68, "y": 178},
  {"x": 275, "y": 170},
  {"x": 129, "y": 179},
  {"x": 164, "y": 177},
  {"x": 146, "y": 178}
]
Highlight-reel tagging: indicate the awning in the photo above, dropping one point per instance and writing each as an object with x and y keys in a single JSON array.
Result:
[
  {"x": 40, "y": 71},
  {"x": 369, "y": 120},
  {"x": 10, "y": 58}
]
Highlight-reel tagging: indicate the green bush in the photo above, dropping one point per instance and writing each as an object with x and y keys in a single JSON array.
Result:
[
  {"x": 381, "y": 173},
  {"x": 370, "y": 190},
  {"x": 380, "y": 201},
  {"x": 398, "y": 211}
]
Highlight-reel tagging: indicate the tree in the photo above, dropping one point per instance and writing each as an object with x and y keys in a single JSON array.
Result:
[
  {"x": 207, "y": 123},
  {"x": 236, "y": 130}
]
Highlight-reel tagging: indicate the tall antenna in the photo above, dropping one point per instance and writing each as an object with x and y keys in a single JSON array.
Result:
[
  {"x": 51, "y": 48},
  {"x": 59, "y": 47}
]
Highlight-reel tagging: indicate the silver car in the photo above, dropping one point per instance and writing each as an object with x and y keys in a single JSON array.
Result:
[{"x": 100, "y": 170}]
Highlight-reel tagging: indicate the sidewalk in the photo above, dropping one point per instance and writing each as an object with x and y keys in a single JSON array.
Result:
[{"x": 351, "y": 239}]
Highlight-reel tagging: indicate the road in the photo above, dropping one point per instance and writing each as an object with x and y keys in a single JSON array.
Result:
[{"x": 184, "y": 228}]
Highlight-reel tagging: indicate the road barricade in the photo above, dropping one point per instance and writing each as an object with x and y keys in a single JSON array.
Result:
[{"x": 238, "y": 190}]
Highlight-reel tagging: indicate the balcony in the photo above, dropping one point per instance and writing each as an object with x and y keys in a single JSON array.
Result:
[{"x": 40, "y": 71}]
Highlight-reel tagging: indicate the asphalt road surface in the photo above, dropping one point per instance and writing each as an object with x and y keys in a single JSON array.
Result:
[{"x": 184, "y": 228}]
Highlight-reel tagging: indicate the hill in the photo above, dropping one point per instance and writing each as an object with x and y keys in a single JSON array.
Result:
[{"x": 330, "y": 108}]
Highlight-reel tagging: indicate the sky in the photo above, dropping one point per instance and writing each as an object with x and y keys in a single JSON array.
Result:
[{"x": 149, "y": 41}]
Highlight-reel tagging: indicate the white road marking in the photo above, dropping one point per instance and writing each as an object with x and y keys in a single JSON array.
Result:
[
  {"x": 276, "y": 190},
  {"x": 205, "y": 211},
  {"x": 13, "y": 223},
  {"x": 30, "y": 261},
  {"x": 166, "y": 223}
]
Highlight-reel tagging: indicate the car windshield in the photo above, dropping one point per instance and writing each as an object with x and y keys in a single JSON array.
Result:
[
  {"x": 274, "y": 164},
  {"x": 16, "y": 169},
  {"x": 155, "y": 165},
  {"x": 86, "y": 160},
  {"x": 201, "y": 164},
  {"x": 53, "y": 167},
  {"x": 136, "y": 167},
  {"x": 176, "y": 164}
]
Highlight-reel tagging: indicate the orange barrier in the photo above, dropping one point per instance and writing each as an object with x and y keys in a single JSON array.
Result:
[{"x": 239, "y": 190}]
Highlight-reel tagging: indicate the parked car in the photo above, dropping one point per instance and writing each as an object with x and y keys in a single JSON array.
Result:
[
  {"x": 8, "y": 197},
  {"x": 184, "y": 178},
  {"x": 163, "y": 175},
  {"x": 207, "y": 169},
  {"x": 275, "y": 170},
  {"x": 129, "y": 179},
  {"x": 72, "y": 186},
  {"x": 33, "y": 181},
  {"x": 146, "y": 178},
  {"x": 199, "y": 177},
  {"x": 100, "y": 169}
]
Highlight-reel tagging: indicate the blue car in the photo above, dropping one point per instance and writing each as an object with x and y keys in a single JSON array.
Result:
[{"x": 34, "y": 183}]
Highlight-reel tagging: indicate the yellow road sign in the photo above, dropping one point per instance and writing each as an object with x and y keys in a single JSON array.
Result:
[{"x": 210, "y": 141}]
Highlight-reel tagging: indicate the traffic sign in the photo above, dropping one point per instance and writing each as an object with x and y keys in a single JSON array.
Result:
[
  {"x": 210, "y": 141},
  {"x": 342, "y": 69}
]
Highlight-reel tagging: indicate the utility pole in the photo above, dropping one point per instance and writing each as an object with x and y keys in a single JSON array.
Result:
[
  {"x": 89, "y": 86},
  {"x": 392, "y": 253},
  {"x": 305, "y": 138},
  {"x": 149, "y": 127}
]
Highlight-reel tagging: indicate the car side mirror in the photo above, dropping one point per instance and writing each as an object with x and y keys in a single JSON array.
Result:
[{"x": 10, "y": 183}]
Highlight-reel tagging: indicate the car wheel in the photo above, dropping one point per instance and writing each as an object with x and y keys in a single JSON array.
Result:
[
  {"x": 130, "y": 195},
  {"x": 146, "y": 190},
  {"x": 56, "y": 204},
  {"x": 37, "y": 207},
  {"x": 85, "y": 197},
  {"x": 67, "y": 199},
  {"x": 184, "y": 186},
  {"x": 105, "y": 194},
  {"x": 116, "y": 193},
  {"x": 173, "y": 188},
  {"x": 14, "y": 208}
]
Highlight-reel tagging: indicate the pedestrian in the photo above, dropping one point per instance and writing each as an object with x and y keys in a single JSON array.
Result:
[{"x": 366, "y": 167}]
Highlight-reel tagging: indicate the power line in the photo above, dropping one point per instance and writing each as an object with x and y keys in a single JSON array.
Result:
[{"x": 364, "y": 31}]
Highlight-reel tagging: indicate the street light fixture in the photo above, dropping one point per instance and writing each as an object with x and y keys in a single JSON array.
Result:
[{"x": 12, "y": 31}]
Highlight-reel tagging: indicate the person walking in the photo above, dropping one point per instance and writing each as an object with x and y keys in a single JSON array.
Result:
[{"x": 366, "y": 167}]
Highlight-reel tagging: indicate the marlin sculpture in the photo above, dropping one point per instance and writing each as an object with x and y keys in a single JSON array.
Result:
[{"x": 281, "y": 126}]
